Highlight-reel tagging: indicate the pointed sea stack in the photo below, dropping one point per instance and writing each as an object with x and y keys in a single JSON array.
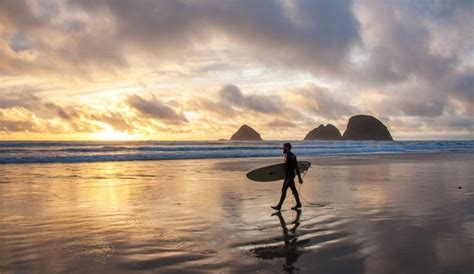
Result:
[
  {"x": 246, "y": 133},
  {"x": 366, "y": 127},
  {"x": 328, "y": 132}
]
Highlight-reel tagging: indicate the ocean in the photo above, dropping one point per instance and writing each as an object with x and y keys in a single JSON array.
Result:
[{"x": 94, "y": 151}]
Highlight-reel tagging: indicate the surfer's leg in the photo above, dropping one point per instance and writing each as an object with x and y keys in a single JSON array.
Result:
[
  {"x": 295, "y": 193},
  {"x": 283, "y": 193}
]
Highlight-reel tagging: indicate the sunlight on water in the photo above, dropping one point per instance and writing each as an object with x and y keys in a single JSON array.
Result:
[{"x": 369, "y": 214}]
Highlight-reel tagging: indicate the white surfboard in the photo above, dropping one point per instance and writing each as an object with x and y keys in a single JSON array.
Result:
[{"x": 274, "y": 172}]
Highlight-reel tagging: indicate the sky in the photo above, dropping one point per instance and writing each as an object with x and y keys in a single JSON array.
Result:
[{"x": 198, "y": 70}]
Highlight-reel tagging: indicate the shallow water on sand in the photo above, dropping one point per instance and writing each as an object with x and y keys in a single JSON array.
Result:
[{"x": 368, "y": 214}]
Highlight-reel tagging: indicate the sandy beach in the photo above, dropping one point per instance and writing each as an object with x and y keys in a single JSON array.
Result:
[{"x": 362, "y": 214}]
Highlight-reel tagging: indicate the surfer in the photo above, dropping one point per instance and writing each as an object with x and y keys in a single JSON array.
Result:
[{"x": 291, "y": 170}]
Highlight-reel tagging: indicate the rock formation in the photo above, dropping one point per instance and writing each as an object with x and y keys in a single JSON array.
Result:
[
  {"x": 328, "y": 132},
  {"x": 246, "y": 133},
  {"x": 366, "y": 127}
]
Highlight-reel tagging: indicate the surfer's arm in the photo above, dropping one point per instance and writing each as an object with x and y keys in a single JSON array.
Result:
[{"x": 298, "y": 170}]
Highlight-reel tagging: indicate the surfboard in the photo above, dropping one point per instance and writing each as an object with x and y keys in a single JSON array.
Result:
[{"x": 274, "y": 172}]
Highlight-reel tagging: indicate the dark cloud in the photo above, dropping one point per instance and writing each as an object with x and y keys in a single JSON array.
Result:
[
  {"x": 234, "y": 105},
  {"x": 415, "y": 54},
  {"x": 407, "y": 34},
  {"x": 155, "y": 109},
  {"x": 18, "y": 42},
  {"x": 114, "y": 119},
  {"x": 301, "y": 33},
  {"x": 17, "y": 126},
  {"x": 19, "y": 14},
  {"x": 280, "y": 123},
  {"x": 26, "y": 97},
  {"x": 422, "y": 42},
  {"x": 200, "y": 104},
  {"x": 62, "y": 44},
  {"x": 430, "y": 109},
  {"x": 404, "y": 106},
  {"x": 232, "y": 96},
  {"x": 316, "y": 36},
  {"x": 461, "y": 86},
  {"x": 463, "y": 123},
  {"x": 450, "y": 126},
  {"x": 20, "y": 96},
  {"x": 322, "y": 102},
  {"x": 66, "y": 114}
]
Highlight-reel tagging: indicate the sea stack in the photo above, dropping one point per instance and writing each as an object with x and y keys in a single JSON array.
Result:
[
  {"x": 366, "y": 127},
  {"x": 328, "y": 132},
  {"x": 246, "y": 133}
]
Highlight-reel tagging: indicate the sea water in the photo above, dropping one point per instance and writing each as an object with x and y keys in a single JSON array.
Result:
[{"x": 70, "y": 152}]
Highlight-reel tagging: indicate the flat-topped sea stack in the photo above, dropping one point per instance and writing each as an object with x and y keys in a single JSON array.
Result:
[
  {"x": 328, "y": 132},
  {"x": 366, "y": 127},
  {"x": 246, "y": 133}
]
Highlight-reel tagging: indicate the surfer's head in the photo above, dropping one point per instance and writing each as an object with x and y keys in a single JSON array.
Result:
[{"x": 286, "y": 147}]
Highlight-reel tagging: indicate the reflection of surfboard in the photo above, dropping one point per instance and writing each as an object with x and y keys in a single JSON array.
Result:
[{"x": 274, "y": 172}]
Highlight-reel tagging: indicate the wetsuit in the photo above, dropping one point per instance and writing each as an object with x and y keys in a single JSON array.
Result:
[{"x": 291, "y": 170}]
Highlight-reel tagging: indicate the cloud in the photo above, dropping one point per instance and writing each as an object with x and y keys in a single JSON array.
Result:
[
  {"x": 403, "y": 106},
  {"x": 461, "y": 86},
  {"x": 302, "y": 34},
  {"x": 405, "y": 39},
  {"x": 116, "y": 120},
  {"x": 14, "y": 119},
  {"x": 231, "y": 102},
  {"x": 422, "y": 43},
  {"x": 19, "y": 42},
  {"x": 232, "y": 95},
  {"x": 155, "y": 109},
  {"x": 415, "y": 55},
  {"x": 34, "y": 114},
  {"x": 17, "y": 126},
  {"x": 68, "y": 114},
  {"x": 322, "y": 101},
  {"x": 20, "y": 96},
  {"x": 399, "y": 40},
  {"x": 200, "y": 104},
  {"x": 82, "y": 35},
  {"x": 26, "y": 97},
  {"x": 280, "y": 123}
]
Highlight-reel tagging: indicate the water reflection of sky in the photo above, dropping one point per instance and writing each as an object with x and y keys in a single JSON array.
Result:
[{"x": 374, "y": 215}]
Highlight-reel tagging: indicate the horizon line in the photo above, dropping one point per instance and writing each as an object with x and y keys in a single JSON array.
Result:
[{"x": 224, "y": 140}]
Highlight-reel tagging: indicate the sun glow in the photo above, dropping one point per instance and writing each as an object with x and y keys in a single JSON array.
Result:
[{"x": 110, "y": 134}]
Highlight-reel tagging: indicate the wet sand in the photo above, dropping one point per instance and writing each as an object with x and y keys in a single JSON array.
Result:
[{"x": 362, "y": 214}]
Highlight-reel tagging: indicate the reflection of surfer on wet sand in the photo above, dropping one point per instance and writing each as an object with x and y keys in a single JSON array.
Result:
[
  {"x": 290, "y": 240},
  {"x": 292, "y": 248}
]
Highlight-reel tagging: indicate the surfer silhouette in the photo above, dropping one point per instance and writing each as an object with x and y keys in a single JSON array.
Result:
[{"x": 291, "y": 170}]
